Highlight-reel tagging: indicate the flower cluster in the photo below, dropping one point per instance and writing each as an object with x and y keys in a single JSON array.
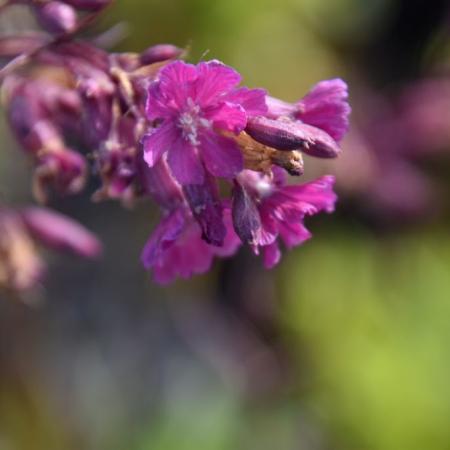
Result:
[{"x": 213, "y": 155}]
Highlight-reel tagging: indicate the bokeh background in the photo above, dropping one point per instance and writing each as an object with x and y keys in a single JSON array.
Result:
[{"x": 344, "y": 346}]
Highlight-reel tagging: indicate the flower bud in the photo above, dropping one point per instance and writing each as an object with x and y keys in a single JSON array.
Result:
[
  {"x": 59, "y": 232},
  {"x": 206, "y": 208},
  {"x": 289, "y": 135},
  {"x": 246, "y": 218},
  {"x": 160, "y": 52},
  {"x": 56, "y": 17}
]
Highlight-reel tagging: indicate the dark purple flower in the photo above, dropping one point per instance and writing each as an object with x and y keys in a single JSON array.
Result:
[
  {"x": 176, "y": 248},
  {"x": 325, "y": 107},
  {"x": 265, "y": 208},
  {"x": 194, "y": 103}
]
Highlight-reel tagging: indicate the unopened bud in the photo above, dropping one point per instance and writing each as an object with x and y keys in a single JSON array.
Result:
[
  {"x": 59, "y": 232},
  {"x": 246, "y": 217},
  {"x": 206, "y": 208},
  {"x": 160, "y": 52},
  {"x": 292, "y": 135},
  {"x": 56, "y": 17}
]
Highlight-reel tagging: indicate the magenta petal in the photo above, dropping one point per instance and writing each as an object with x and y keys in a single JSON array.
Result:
[
  {"x": 157, "y": 105},
  {"x": 214, "y": 80},
  {"x": 165, "y": 234},
  {"x": 160, "y": 141},
  {"x": 58, "y": 231},
  {"x": 271, "y": 255},
  {"x": 317, "y": 194},
  {"x": 221, "y": 155},
  {"x": 277, "y": 108},
  {"x": 176, "y": 82},
  {"x": 326, "y": 107},
  {"x": 227, "y": 116},
  {"x": 184, "y": 163},
  {"x": 293, "y": 233},
  {"x": 252, "y": 100}
]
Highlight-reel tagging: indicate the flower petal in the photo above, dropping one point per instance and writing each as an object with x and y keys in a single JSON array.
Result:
[
  {"x": 227, "y": 116},
  {"x": 176, "y": 82},
  {"x": 252, "y": 100},
  {"x": 158, "y": 142},
  {"x": 326, "y": 107},
  {"x": 221, "y": 155},
  {"x": 184, "y": 163},
  {"x": 214, "y": 80},
  {"x": 271, "y": 255}
]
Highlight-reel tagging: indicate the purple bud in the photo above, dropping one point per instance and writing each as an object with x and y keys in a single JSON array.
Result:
[
  {"x": 61, "y": 233},
  {"x": 160, "y": 52},
  {"x": 88, "y": 5},
  {"x": 207, "y": 208},
  {"x": 56, "y": 17},
  {"x": 246, "y": 217},
  {"x": 292, "y": 135}
]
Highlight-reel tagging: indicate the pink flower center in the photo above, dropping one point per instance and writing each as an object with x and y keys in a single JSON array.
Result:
[{"x": 190, "y": 121}]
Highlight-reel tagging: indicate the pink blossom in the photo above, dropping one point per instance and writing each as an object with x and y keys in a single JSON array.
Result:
[
  {"x": 325, "y": 106},
  {"x": 265, "y": 208},
  {"x": 176, "y": 247},
  {"x": 194, "y": 103}
]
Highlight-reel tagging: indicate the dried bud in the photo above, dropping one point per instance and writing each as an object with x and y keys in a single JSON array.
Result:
[
  {"x": 260, "y": 157},
  {"x": 246, "y": 218},
  {"x": 21, "y": 268},
  {"x": 59, "y": 232},
  {"x": 292, "y": 135},
  {"x": 292, "y": 161},
  {"x": 158, "y": 53},
  {"x": 56, "y": 17}
]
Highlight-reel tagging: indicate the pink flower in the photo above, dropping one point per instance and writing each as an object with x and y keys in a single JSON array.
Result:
[
  {"x": 325, "y": 106},
  {"x": 265, "y": 208},
  {"x": 176, "y": 247},
  {"x": 194, "y": 103}
]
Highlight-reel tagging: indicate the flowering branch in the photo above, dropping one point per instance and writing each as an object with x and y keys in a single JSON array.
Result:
[{"x": 151, "y": 125}]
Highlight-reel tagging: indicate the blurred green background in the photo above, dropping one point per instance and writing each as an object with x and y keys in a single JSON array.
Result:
[{"x": 344, "y": 346}]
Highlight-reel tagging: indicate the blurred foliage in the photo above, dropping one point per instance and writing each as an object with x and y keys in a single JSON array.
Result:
[{"x": 371, "y": 317}]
